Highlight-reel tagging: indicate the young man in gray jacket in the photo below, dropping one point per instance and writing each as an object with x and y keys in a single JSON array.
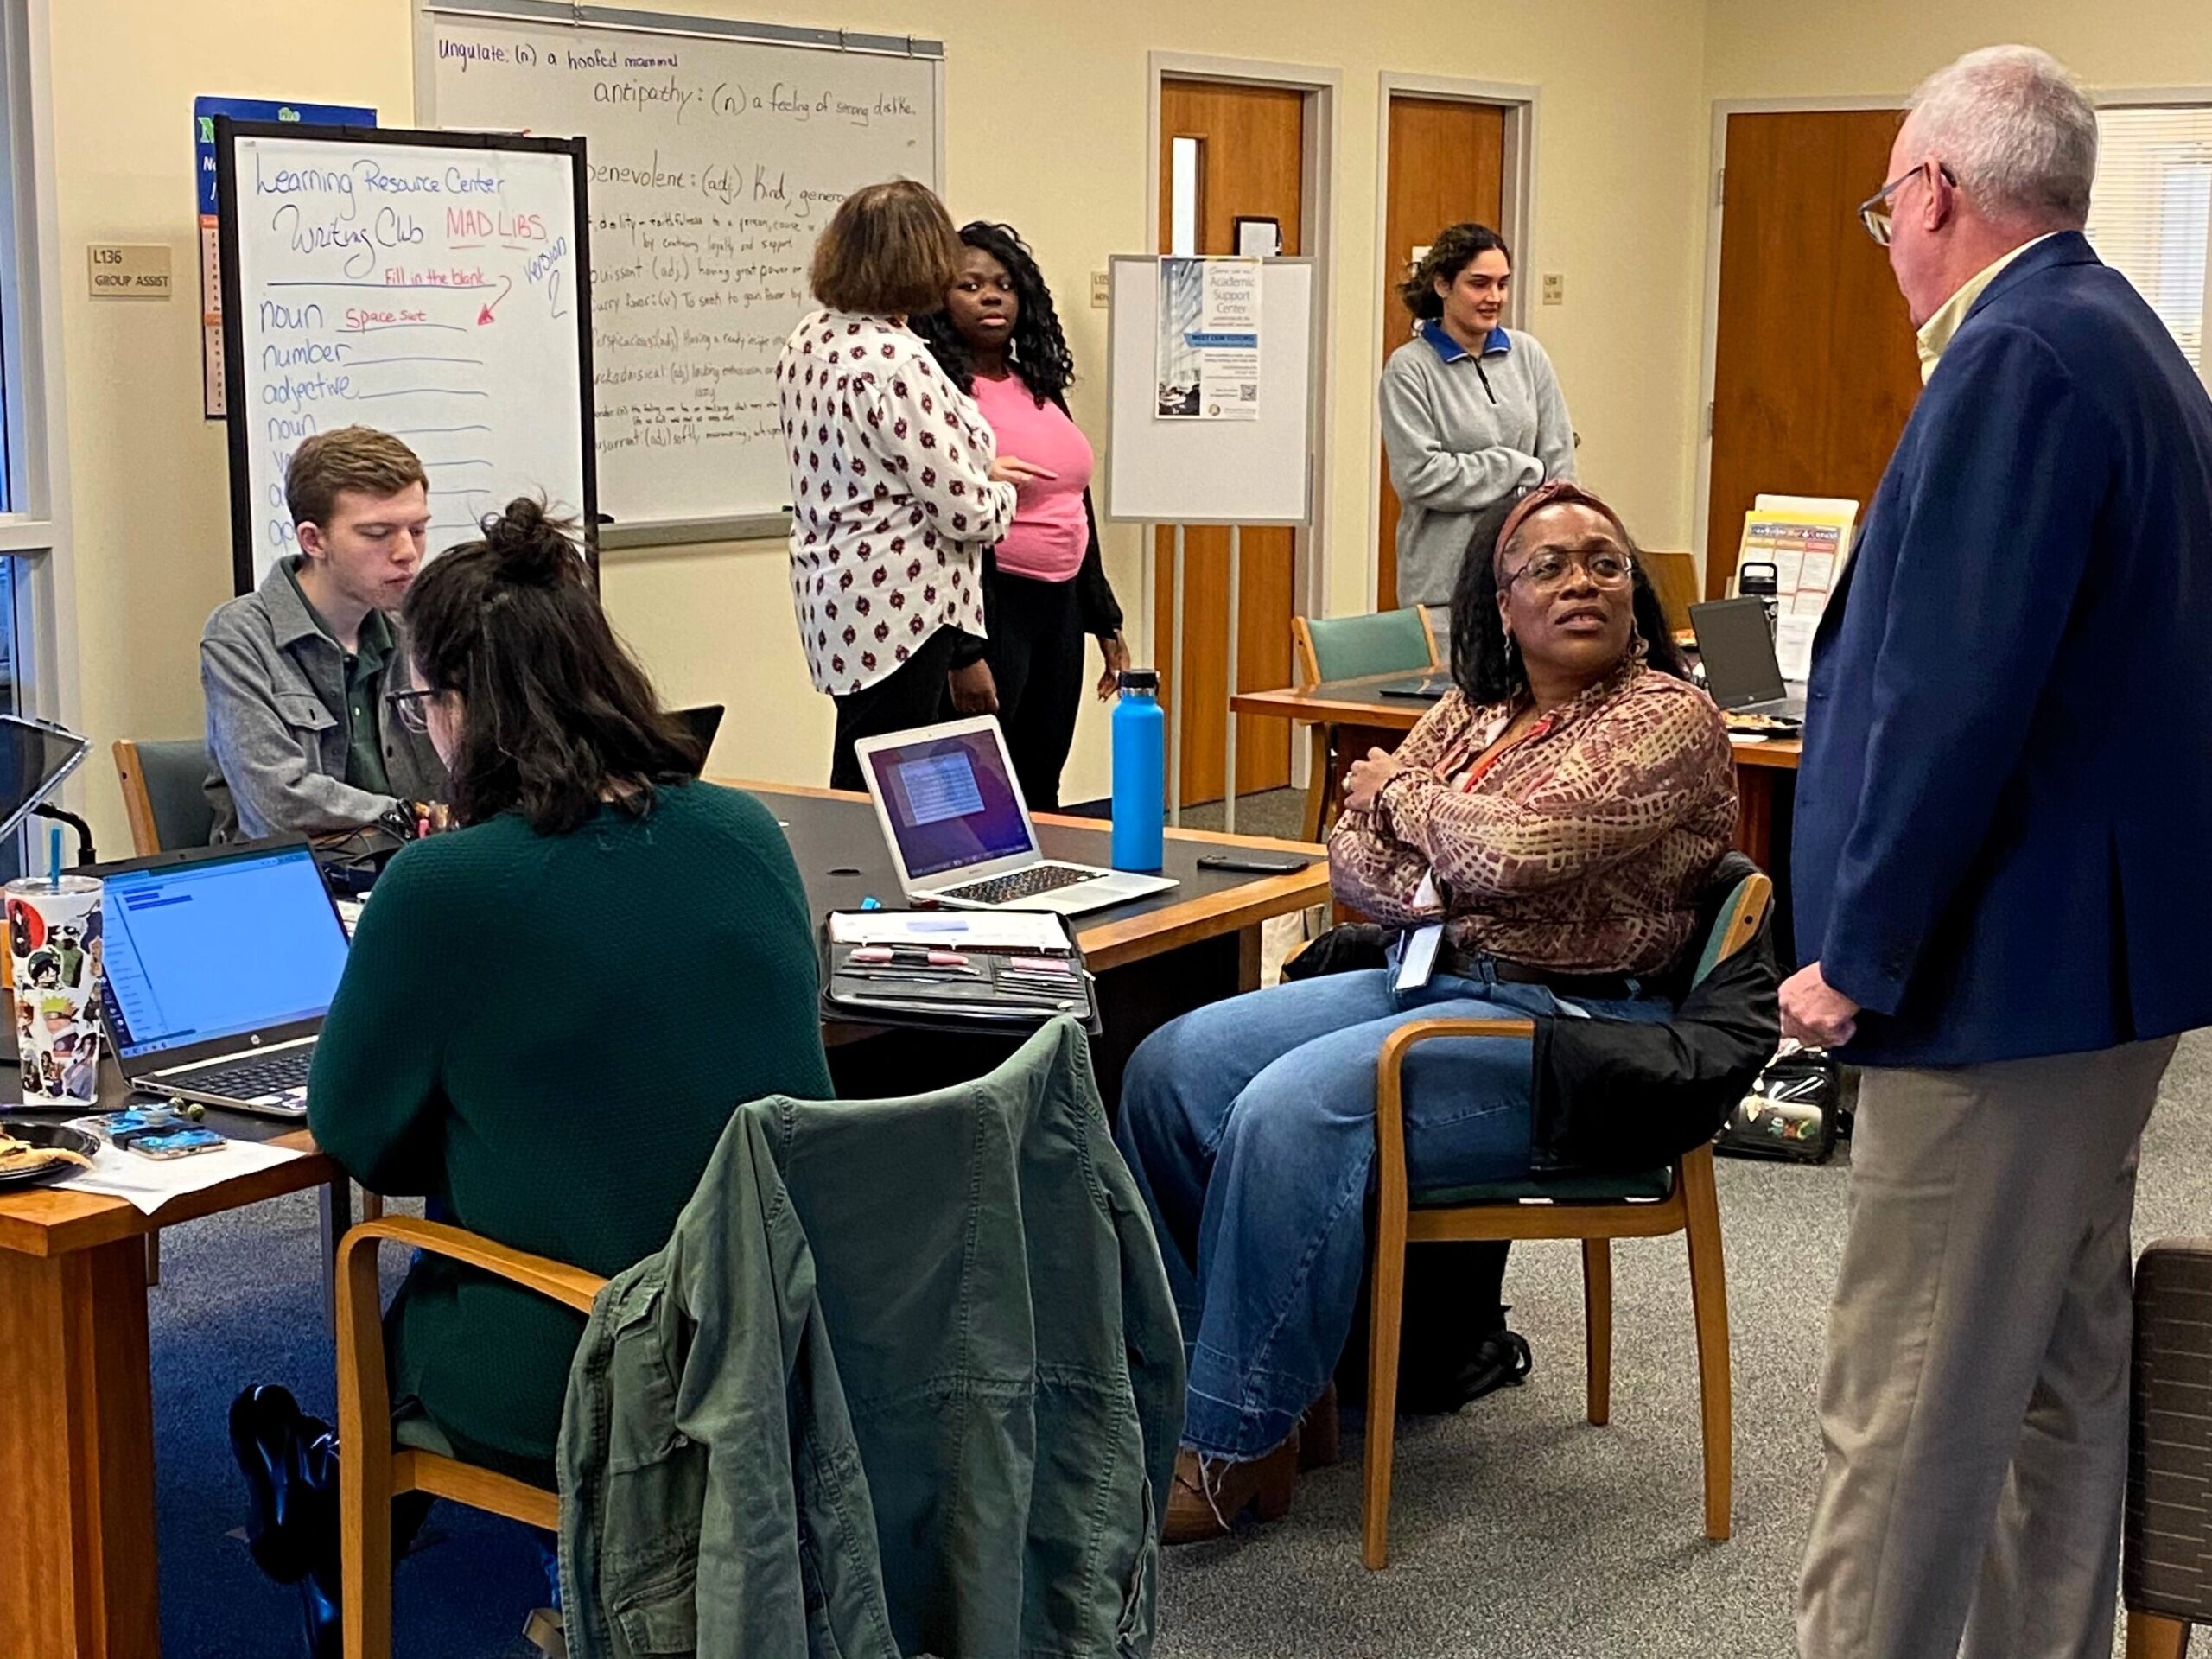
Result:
[
  {"x": 1472, "y": 415},
  {"x": 295, "y": 674}
]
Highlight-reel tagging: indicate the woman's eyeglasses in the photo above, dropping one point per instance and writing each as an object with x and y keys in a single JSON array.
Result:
[
  {"x": 412, "y": 707},
  {"x": 1875, "y": 212},
  {"x": 1549, "y": 568}
]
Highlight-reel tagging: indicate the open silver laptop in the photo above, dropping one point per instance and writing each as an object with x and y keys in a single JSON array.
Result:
[
  {"x": 221, "y": 963},
  {"x": 959, "y": 831}
]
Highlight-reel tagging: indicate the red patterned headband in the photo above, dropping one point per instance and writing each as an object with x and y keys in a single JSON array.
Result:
[{"x": 1557, "y": 493}]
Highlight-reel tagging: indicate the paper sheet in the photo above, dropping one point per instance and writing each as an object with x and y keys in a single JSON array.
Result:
[
  {"x": 960, "y": 930},
  {"x": 149, "y": 1183}
]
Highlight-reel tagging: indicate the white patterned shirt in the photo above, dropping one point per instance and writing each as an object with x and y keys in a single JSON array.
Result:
[{"x": 891, "y": 500}]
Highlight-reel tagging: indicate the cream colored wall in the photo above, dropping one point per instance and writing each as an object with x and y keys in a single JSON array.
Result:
[
  {"x": 1755, "y": 49},
  {"x": 1045, "y": 127}
]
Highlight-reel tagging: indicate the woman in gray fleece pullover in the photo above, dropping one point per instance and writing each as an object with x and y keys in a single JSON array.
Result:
[{"x": 1471, "y": 412}]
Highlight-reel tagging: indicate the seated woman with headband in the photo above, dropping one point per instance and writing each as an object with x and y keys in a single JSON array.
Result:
[{"x": 1556, "y": 815}]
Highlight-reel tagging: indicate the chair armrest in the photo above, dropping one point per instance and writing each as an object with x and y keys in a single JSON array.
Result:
[
  {"x": 571, "y": 1287},
  {"x": 364, "y": 1391},
  {"x": 1390, "y": 1095}
]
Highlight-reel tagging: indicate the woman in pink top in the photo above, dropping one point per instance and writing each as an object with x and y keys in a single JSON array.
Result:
[{"x": 1045, "y": 586}]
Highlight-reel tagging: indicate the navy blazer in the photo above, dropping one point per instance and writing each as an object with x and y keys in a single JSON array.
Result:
[{"x": 2003, "y": 819}]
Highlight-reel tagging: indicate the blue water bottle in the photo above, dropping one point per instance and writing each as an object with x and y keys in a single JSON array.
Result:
[{"x": 1140, "y": 772}]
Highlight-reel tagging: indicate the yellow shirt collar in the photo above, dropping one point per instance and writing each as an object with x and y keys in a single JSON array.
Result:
[{"x": 1935, "y": 334}]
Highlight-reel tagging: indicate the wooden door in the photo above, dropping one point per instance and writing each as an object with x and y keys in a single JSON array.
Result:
[
  {"x": 1814, "y": 372},
  {"x": 1446, "y": 165},
  {"x": 1251, "y": 163}
]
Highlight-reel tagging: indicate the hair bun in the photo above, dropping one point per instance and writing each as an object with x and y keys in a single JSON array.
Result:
[{"x": 529, "y": 546}]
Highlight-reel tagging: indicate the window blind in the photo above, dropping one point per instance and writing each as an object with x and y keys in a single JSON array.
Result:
[{"x": 2151, "y": 206}]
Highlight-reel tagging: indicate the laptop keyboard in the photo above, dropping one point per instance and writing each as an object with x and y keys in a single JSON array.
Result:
[
  {"x": 254, "y": 1076},
  {"x": 1022, "y": 884}
]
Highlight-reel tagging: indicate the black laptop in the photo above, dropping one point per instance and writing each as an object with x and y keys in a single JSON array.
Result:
[
  {"x": 1742, "y": 673},
  {"x": 702, "y": 722}
]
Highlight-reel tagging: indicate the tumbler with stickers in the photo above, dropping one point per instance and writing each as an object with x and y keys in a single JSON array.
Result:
[{"x": 54, "y": 944}]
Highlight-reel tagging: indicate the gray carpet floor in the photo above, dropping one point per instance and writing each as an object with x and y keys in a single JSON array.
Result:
[
  {"x": 1519, "y": 1532},
  {"x": 1516, "y": 1530}
]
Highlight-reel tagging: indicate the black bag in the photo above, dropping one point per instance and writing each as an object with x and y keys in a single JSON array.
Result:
[{"x": 1794, "y": 1111}]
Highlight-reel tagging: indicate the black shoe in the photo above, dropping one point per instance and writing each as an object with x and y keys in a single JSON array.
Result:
[
  {"x": 326, "y": 1637},
  {"x": 291, "y": 1518},
  {"x": 1501, "y": 1360}
]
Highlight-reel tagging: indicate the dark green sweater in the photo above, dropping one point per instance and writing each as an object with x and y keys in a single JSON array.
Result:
[{"x": 550, "y": 1033}]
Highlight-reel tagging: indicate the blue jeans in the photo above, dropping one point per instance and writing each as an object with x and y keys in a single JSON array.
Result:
[{"x": 1249, "y": 1125}]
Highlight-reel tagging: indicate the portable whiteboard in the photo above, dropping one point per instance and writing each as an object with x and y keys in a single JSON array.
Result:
[
  {"x": 434, "y": 285},
  {"x": 719, "y": 151},
  {"x": 1193, "y": 472}
]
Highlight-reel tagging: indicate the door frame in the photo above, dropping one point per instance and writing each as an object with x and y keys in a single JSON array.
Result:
[
  {"x": 2118, "y": 98},
  {"x": 1521, "y": 102},
  {"x": 1709, "y": 347},
  {"x": 1323, "y": 86}
]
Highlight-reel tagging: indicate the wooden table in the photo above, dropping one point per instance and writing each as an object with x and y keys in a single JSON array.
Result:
[
  {"x": 77, "y": 1578},
  {"x": 1765, "y": 770},
  {"x": 77, "y": 1528},
  {"x": 1154, "y": 957}
]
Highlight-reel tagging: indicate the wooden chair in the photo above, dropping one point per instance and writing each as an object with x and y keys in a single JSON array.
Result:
[
  {"x": 164, "y": 793},
  {"x": 1343, "y": 648},
  {"x": 375, "y": 1469},
  {"x": 1594, "y": 1209},
  {"x": 1675, "y": 577}
]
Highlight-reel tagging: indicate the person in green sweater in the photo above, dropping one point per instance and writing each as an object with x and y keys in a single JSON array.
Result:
[{"x": 498, "y": 1043}]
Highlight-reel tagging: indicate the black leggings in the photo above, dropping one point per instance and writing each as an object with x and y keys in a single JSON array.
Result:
[
  {"x": 1035, "y": 650},
  {"x": 914, "y": 694}
]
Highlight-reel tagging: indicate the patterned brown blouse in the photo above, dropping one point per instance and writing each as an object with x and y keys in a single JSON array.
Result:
[{"x": 1581, "y": 849}]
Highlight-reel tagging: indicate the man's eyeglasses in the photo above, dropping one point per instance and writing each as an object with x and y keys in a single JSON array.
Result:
[
  {"x": 412, "y": 707},
  {"x": 1548, "y": 569},
  {"x": 1874, "y": 212}
]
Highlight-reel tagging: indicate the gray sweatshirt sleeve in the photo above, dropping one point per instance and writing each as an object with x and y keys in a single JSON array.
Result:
[
  {"x": 276, "y": 791},
  {"x": 1424, "y": 470},
  {"x": 1554, "y": 430}
]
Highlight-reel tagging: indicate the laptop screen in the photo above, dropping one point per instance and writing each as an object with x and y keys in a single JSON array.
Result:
[
  {"x": 1738, "y": 651},
  {"x": 951, "y": 802},
  {"x": 213, "y": 948},
  {"x": 33, "y": 759}
]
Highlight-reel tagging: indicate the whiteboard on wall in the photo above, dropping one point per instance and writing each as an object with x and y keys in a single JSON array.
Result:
[
  {"x": 433, "y": 285},
  {"x": 718, "y": 152},
  {"x": 1195, "y": 472}
]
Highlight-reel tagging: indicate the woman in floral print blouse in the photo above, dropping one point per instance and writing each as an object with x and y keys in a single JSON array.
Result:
[
  {"x": 897, "y": 484},
  {"x": 1553, "y": 819}
]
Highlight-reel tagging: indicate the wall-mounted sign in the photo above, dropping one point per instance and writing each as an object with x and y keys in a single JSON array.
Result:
[{"x": 121, "y": 270}]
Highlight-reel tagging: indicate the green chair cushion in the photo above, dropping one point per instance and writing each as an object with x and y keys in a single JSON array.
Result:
[
  {"x": 415, "y": 1430},
  {"x": 175, "y": 771},
  {"x": 1380, "y": 642},
  {"x": 1647, "y": 1185}
]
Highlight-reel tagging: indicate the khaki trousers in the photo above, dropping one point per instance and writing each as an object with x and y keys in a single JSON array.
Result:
[{"x": 1974, "y": 1396}]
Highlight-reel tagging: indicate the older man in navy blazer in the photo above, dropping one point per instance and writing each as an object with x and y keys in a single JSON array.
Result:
[{"x": 2004, "y": 889}]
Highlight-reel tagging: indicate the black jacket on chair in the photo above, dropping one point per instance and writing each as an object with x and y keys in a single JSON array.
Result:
[
  {"x": 1623, "y": 1096},
  {"x": 1616, "y": 1096}
]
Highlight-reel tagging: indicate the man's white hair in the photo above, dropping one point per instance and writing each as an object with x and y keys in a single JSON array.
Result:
[{"x": 2016, "y": 131}]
